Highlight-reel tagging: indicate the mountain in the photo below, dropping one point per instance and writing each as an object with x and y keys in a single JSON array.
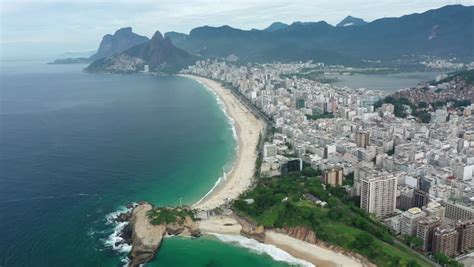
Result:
[
  {"x": 159, "y": 54},
  {"x": 443, "y": 32},
  {"x": 276, "y": 26},
  {"x": 465, "y": 75},
  {"x": 351, "y": 21},
  {"x": 120, "y": 41},
  {"x": 176, "y": 36}
]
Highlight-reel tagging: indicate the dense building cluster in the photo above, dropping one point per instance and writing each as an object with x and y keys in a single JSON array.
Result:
[{"x": 416, "y": 177}]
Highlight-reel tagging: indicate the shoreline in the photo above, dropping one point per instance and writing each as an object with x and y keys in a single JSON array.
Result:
[
  {"x": 247, "y": 130},
  {"x": 315, "y": 254}
]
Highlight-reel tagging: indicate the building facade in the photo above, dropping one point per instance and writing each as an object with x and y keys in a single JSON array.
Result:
[
  {"x": 445, "y": 240},
  {"x": 333, "y": 176},
  {"x": 378, "y": 194},
  {"x": 425, "y": 230},
  {"x": 410, "y": 220}
]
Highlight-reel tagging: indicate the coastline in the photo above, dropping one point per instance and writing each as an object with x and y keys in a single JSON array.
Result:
[
  {"x": 317, "y": 255},
  {"x": 239, "y": 179},
  {"x": 247, "y": 129}
]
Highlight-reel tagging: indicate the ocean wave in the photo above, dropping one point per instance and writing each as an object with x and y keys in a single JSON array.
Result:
[
  {"x": 110, "y": 218},
  {"x": 114, "y": 241},
  {"x": 231, "y": 121},
  {"x": 259, "y": 248},
  {"x": 210, "y": 191},
  {"x": 223, "y": 107}
]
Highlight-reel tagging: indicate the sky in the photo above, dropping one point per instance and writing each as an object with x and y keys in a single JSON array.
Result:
[{"x": 47, "y": 29}]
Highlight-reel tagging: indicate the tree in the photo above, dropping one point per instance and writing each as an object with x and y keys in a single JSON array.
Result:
[
  {"x": 413, "y": 241},
  {"x": 445, "y": 260},
  {"x": 422, "y": 104},
  {"x": 309, "y": 172},
  {"x": 363, "y": 241}
]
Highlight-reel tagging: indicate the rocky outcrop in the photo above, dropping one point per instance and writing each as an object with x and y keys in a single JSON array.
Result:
[
  {"x": 159, "y": 54},
  {"x": 301, "y": 233},
  {"x": 250, "y": 230},
  {"x": 118, "y": 42},
  {"x": 146, "y": 237},
  {"x": 121, "y": 63}
]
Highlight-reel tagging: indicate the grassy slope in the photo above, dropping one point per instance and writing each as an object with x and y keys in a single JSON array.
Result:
[{"x": 342, "y": 223}]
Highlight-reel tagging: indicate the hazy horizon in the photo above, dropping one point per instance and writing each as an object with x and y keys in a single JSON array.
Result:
[{"x": 45, "y": 30}]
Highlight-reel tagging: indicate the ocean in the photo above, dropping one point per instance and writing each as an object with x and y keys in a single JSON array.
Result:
[{"x": 76, "y": 148}]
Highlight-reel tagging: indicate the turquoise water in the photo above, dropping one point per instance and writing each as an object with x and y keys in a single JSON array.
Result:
[
  {"x": 77, "y": 147},
  {"x": 208, "y": 252}
]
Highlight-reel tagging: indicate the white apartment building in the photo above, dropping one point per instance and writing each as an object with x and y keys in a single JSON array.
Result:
[{"x": 378, "y": 194}]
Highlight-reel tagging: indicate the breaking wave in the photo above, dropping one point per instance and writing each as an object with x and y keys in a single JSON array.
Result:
[{"x": 259, "y": 248}]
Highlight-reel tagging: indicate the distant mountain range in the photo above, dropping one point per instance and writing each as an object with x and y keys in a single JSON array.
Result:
[
  {"x": 276, "y": 26},
  {"x": 444, "y": 32}
]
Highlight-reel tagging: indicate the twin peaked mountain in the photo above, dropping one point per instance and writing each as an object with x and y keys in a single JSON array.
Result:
[
  {"x": 446, "y": 32},
  {"x": 124, "y": 55}
]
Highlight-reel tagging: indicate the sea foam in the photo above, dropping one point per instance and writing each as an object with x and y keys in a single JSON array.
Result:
[
  {"x": 114, "y": 240},
  {"x": 231, "y": 121},
  {"x": 259, "y": 248}
]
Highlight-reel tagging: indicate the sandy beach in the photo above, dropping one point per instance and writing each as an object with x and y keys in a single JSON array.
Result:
[
  {"x": 317, "y": 255},
  {"x": 248, "y": 128},
  {"x": 220, "y": 225}
]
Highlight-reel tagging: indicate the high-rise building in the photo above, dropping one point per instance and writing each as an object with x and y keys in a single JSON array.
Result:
[
  {"x": 445, "y": 240},
  {"x": 410, "y": 220},
  {"x": 466, "y": 235},
  {"x": 406, "y": 199},
  {"x": 362, "y": 138},
  {"x": 425, "y": 184},
  {"x": 361, "y": 172},
  {"x": 333, "y": 176},
  {"x": 378, "y": 194},
  {"x": 420, "y": 198},
  {"x": 425, "y": 230},
  {"x": 458, "y": 211}
]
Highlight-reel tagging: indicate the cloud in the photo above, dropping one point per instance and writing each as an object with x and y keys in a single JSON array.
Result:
[{"x": 81, "y": 24}]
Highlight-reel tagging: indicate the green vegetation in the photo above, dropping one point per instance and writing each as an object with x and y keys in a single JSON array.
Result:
[
  {"x": 446, "y": 261},
  {"x": 169, "y": 215},
  {"x": 349, "y": 179},
  {"x": 420, "y": 111},
  {"x": 413, "y": 241},
  {"x": 281, "y": 202},
  {"x": 467, "y": 75},
  {"x": 325, "y": 115},
  {"x": 423, "y": 115},
  {"x": 398, "y": 103},
  {"x": 454, "y": 103}
]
